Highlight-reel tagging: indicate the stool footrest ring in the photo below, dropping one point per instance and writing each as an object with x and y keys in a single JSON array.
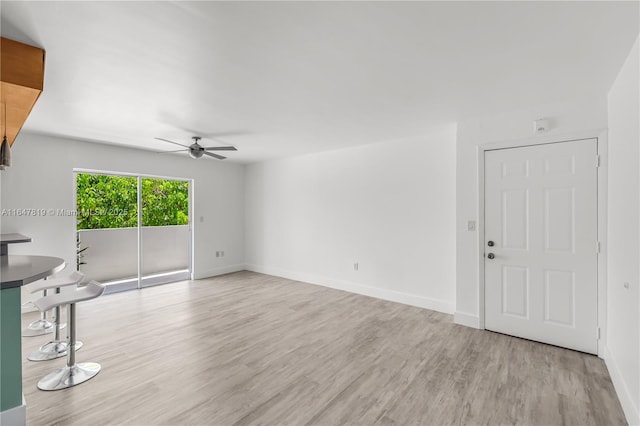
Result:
[
  {"x": 51, "y": 350},
  {"x": 38, "y": 328}
]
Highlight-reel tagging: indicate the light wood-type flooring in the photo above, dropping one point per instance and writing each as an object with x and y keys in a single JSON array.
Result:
[{"x": 249, "y": 349}]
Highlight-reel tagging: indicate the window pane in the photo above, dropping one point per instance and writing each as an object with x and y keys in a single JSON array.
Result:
[
  {"x": 165, "y": 202},
  {"x": 104, "y": 201}
]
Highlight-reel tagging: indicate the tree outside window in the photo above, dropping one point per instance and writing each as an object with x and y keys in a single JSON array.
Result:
[{"x": 105, "y": 201}]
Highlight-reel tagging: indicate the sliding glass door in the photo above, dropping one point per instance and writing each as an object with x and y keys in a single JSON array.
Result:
[
  {"x": 133, "y": 231},
  {"x": 165, "y": 231},
  {"x": 107, "y": 229}
]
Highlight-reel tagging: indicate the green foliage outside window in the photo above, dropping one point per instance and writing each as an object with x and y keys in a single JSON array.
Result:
[
  {"x": 112, "y": 202},
  {"x": 106, "y": 201},
  {"x": 165, "y": 202}
]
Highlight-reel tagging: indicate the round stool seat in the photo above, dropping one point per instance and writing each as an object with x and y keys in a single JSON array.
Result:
[
  {"x": 80, "y": 294},
  {"x": 56, "y": 282},
  {"x": 42, "y": 325}
]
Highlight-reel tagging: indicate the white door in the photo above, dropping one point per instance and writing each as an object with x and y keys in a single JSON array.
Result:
[{"x": 541, "y": 243}]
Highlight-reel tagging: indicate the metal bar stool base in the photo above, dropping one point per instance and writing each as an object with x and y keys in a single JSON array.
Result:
[
  {"x": 38, "y": 328},
  {"x": 69, "y": 376},
  {"x": 51, "y": 350}
]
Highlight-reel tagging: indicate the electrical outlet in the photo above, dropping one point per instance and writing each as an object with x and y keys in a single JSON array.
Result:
[
  {"x": 355, "y": 266},
  {"x": 217, "y": 254},
  {"x": 222, "y": 254}
]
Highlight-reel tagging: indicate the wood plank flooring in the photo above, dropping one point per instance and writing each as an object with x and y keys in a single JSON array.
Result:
[{"x": 249, "y": 349}]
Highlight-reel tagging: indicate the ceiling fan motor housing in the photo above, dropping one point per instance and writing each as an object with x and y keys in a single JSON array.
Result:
[{"x": 196, "y": 151}]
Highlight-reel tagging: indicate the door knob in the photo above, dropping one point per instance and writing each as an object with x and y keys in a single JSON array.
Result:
[
  {"x": 491, "y": 255},
  {"x": 490, "y": 243}
]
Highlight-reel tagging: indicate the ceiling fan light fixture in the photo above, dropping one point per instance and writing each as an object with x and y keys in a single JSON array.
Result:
[{"x": 195, "y": 154}]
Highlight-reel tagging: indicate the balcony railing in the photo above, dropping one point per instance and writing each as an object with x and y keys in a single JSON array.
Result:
[{"x": 112, "y": 254}]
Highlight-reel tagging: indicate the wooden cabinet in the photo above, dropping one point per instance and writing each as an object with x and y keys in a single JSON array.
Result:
[{"x": 22, "y": 79}]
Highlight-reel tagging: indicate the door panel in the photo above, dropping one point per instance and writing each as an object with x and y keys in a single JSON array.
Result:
[
  {"x": 515, "y": 291},
  {"x": 559, "y": 297},
  {"x": 541, "y": 215},
  {"x": 515, "y": 219},
  {"x": 559, "y": 219}
]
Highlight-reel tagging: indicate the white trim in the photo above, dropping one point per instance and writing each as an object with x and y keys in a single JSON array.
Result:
[
  {"x": 603, "y": 194},
  {"x": 629, "y": 407},
  {"x": 127, "y": 174},
  {"x": 16, "y": 416},
  {"x": 541, "y": 140},
  {"x": 165, "y": 278},
  {"x": 601, "y": 142},
  {"x": 129, "y": 227},
  {"x": 192, "y": 225},
  {"x": 351, "y": 287},
  {"x": 218, "y": 271},
  {"x": 480, "y": 241},
  {"x": 468, "y": 320},
  {"x": 127, "y": 284},
  {"x": 138, "y": 228}
]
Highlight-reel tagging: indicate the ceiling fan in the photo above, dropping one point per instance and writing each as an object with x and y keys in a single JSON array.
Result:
[{"x": 196, "y": 150}]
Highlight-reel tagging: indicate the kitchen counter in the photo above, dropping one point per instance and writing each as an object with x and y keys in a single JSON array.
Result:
[
  {"x": 6, "y": 239},
  {"x": 16, "y": 271},
  {"x": 19, "y": 270}
]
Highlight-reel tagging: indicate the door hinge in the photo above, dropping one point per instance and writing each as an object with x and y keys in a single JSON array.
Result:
[
  {"x": 598, "y": 333},
  {"x": 597, "y": 161},
  {"x": 598, "y": 247}
]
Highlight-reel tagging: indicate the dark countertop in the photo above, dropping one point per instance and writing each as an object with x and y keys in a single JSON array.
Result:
[
  {"x": 6, "y": 239},
  {"x": 14, "y": 238},
  {"x": 18, "y": 270}
]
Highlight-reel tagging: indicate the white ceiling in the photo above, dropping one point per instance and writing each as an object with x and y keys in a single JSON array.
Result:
[{"x": 288, "y": 78}]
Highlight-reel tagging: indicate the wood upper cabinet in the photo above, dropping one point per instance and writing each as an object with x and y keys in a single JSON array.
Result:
[{"x": 22, "y": 78}]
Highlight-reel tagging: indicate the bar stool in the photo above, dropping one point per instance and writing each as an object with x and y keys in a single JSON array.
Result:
[
  {"x": 72, "y": 374},
  {"x": 43, "y": 325},
  {"x": 40, "y": 326},
  {"x": 56, "y": 348},
  {"x": 45, "y": 285}
]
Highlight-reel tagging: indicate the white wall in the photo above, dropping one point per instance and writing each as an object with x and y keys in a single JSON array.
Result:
[
  {"x": 42, "y": 177},
  {"x": 390, "y": 207},
  {"x": 623, "y": 340},
  {"x": 588, "y": 117}
]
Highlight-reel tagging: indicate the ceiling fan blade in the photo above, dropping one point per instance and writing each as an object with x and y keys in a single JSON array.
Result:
[
  {"x": 221, "y": 148},
  {"x": 177, "y": 150},
  {"x": 211, "y": 154},
  {"x": 175, "y": 143}
]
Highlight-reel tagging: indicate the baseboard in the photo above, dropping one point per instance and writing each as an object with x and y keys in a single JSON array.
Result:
[
  {"x": 16, "y": 416},
  {"x": 376, "y": 292},
  {"x": 218, "y": 271},
  {"x": 467, "y": 320},
  {"x": 628, "y": 404}
]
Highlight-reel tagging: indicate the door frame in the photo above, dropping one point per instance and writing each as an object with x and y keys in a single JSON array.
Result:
[
  {"x": 139, "y": 177},
  {"x": 602, "y": 143}
]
